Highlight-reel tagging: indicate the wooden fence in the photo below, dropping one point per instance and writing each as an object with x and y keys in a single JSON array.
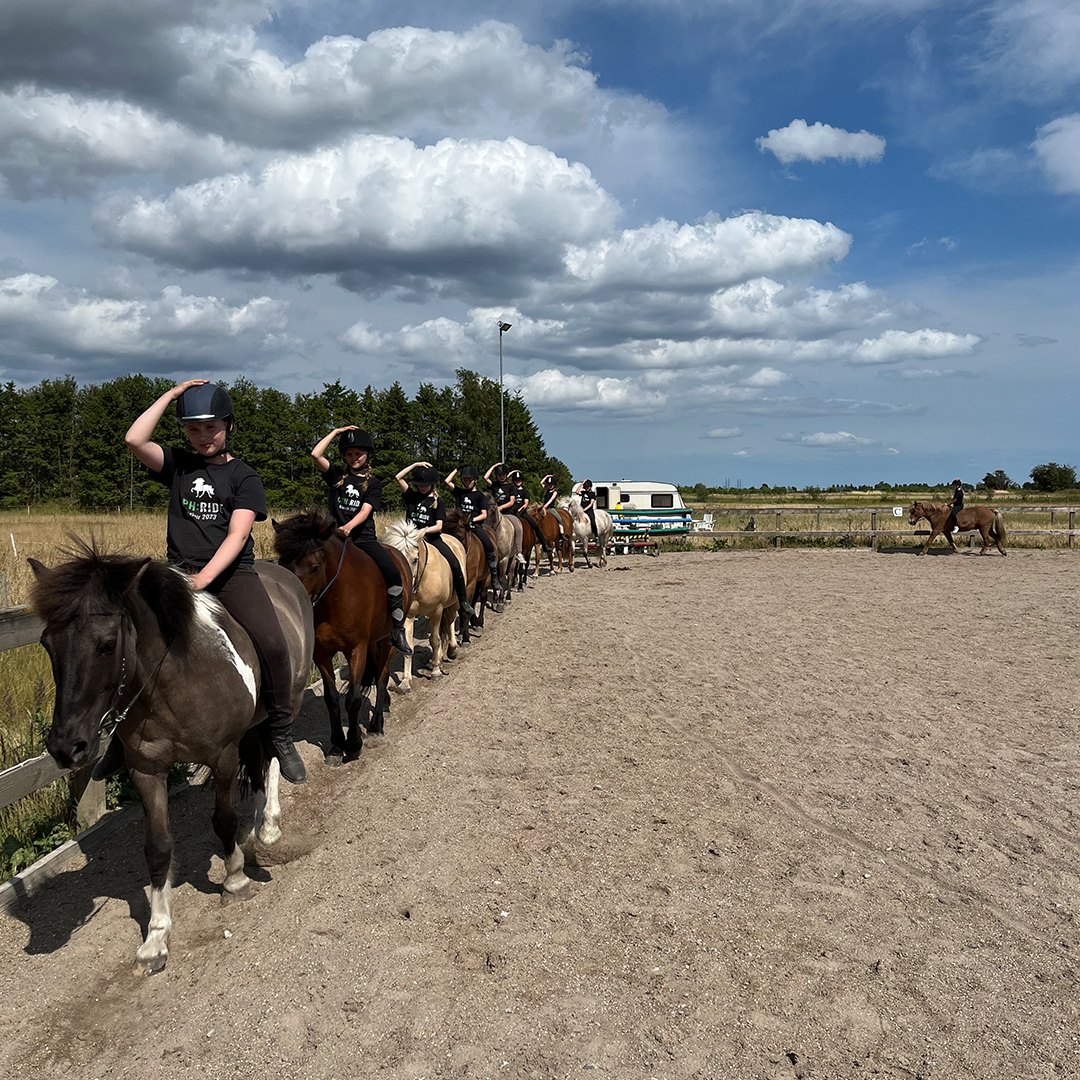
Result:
[{"x": 778, "y": 534}]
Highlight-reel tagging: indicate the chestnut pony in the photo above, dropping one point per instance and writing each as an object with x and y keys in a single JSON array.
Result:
[
  {"x": 351, "y": 617},
  {"x": 477, "y": 574},
  {"x": 989, "y": 522}
]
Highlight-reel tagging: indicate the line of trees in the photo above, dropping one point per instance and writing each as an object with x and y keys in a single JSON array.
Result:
[
  {"x": 64, "y": 443},
  {"x": 1046, "y": 478}
]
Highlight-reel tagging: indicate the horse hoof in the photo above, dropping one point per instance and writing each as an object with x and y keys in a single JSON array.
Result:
[
  {"x": 464, "y": 645},
  {"x": 150, "y": 966},
  {"x": 351, "y": 756},
  {"x": 269, "y": 837},
  {"x": 334, "y": 758},
  {"x": 238, "y": 897},
  {"x": 435, "y": 675}
]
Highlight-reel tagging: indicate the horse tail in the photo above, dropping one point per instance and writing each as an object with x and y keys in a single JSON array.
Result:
[
  {"x": 254, "y": 759},
  {"x": 999, "y": 526}
]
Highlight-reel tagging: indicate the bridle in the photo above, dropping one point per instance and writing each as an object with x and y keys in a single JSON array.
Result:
[
  {"x": 113, "y": 717},
  {"x": 326, "y": 588}
]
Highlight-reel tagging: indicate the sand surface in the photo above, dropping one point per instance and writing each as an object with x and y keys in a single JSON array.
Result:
[{"x": 807, "y": 814}]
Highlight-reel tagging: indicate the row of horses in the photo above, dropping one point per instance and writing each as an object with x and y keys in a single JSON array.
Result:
[{"x": 137, "y": 653}]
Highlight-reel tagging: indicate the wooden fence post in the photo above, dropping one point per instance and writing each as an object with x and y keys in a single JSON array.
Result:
[
  {"x": 1072, "y": 525},
  {"x": 778, "y": 529},
  {"x": 89, "y": 798},
  {"x": 873, "y": 530}
]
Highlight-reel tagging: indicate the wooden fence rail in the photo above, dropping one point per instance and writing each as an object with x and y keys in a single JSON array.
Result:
[{"x": 20, "y": 626}]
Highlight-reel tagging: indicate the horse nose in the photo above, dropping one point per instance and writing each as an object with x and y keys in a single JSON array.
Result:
[{"x": 67, "y": 752}]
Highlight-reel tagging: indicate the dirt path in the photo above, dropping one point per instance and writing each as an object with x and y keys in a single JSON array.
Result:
[{"x": 747, "y": 815}]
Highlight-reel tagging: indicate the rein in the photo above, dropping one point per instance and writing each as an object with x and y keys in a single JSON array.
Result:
[
  {"x": 326, "y": 588},
  {"x": 111, "y": 719},
  {"x": 427, "y": 560}
]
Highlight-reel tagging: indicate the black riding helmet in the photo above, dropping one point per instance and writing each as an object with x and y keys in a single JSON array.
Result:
[
  {"x": 517, "y": 477},
  {"x": 424, "y": 474},
  {"x": 206, "y": 402},
  {"x": 499, "y": 470},
  {"x": 358, "y": 439},
  {"x": 470, "y": 472}
]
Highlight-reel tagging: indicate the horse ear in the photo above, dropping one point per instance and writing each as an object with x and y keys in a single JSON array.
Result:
[
  {"x": 277, "y": 527},
  {"x": 132, "y": 572},
  {"x": 41, "y": 572}
]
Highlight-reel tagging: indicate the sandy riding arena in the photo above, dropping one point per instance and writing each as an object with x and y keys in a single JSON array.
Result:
[{"x": 798, "y": 814}]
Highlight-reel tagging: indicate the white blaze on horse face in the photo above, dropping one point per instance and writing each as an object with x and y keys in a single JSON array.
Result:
[{"x": 208, "y": 610}]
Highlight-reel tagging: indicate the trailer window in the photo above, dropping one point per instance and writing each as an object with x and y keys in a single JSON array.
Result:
[
  {"x": 601, "y": 497},
  {"x": 662, "y": 502}
]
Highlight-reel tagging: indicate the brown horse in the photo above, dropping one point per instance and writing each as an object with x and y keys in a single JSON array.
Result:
[
  {"x": 988, "y": 521},
  {"x": 556, "y": 525},
  {"x": 477, "y": 574},
  {"x": 529, "y": 540},
  {"x": 351, "y": 617}
]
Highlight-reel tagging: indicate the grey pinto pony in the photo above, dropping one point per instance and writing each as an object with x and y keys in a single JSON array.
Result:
[{"x": 134, "y": 649}]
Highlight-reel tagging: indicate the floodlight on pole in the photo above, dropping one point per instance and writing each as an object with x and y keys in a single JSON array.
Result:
[{"x": 503, "y": 327}]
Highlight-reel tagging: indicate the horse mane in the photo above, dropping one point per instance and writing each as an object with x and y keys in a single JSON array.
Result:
[
  {"x": 402, "y": 535},
  {"x": 454, "y": 524},
  {"x": 303, "y": 534},
  {"x": 93, "y": 579}
]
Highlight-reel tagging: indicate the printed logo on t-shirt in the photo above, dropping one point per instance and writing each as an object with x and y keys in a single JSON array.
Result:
[
  {"x": 351, "y": 498},
  {"x": 198, "y": 507}
]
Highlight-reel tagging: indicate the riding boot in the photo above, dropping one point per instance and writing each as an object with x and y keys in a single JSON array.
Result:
[
  {"x": 459, "y": 588},
  {"x": 291, "y": 763},
  {"x": 496, "y": 581},
  {"x": 394, "y": 599},
  {"x": 112, "y": 761}
]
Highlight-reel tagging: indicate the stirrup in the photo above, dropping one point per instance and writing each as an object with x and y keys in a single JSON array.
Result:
[{"x": 465, "y": 606}]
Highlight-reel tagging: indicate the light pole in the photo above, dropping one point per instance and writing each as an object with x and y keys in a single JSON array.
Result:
[{"x": 503, "y": 327}]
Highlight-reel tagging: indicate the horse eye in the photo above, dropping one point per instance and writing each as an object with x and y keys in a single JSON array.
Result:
[{"x": 107, "y": 648}]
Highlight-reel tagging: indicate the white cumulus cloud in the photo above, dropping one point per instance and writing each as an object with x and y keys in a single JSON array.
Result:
[
  {"x": 1057, "y": 147},
  {"x": 555, "y": 391},
  {"x": 800, "y": 141},
  {"x": 723, "y": 433},
  {"x": 827, "y": 440},
  {"x": 924, "y": 344},
  {"x": 377, "y": 211},
  {"x": 59, "y": 144},
  {"x": 44, "y": 322}
]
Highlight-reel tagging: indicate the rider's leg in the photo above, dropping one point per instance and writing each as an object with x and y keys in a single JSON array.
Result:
[
  {"x": 244, "y": 597},
  {"x": 490, "y": 555},
  {"x": 592, "y": 521},
  {"x": 537, "y": 531},
  {"x": 441, "y": 546},
  {"x": 395, "y": 593}
]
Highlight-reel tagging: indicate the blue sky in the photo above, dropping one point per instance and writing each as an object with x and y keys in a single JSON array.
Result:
[{"x": 782, "y": 241}]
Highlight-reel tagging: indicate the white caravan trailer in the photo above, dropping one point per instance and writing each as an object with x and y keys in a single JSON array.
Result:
[{"x": 643, "y": 506}]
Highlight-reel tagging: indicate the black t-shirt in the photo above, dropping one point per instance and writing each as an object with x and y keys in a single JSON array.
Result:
[
  {"x": 202, "y": 499},
  {"x": 550, "y": 498},
  {"x": 423, "y": 510},
  {"x": 502, "y": 491},
  {"x": 587, "y": 498},
  {"x": 958, "y": 499},
  {"x": 470, "y": 501},
  {"x": 521, "y": 496},
  {"x": 346, "y": 500}
]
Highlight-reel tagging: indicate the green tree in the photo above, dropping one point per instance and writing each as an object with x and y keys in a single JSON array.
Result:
[
  {"x": 1053, "y": 477},
  {"x": 997, "y": 481}
]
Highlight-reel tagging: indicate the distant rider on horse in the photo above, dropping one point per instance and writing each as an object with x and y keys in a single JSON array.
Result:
[
  {"x": 474, "y": 505},
  {"x": 584, "y": 491},
  {"x": 355, "y": 495},
  {"x": 957, "y": 503},
  {"x": 425, "y": 510}
]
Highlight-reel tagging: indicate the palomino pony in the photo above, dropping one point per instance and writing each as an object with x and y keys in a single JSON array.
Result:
[
  {"x": 134, "y": 650},
  {"x": 989, "y": 522},
  {"x": 605, "y": 526},
  {"x": 557, "y": 526},
  {"x": 433, "y": 594},
  {"x": 351, "y": 617},
  {"x": 475, "y": 568}
]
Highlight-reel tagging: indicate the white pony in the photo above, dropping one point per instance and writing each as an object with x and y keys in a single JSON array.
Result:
[{"x": 583, "y": 529}]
